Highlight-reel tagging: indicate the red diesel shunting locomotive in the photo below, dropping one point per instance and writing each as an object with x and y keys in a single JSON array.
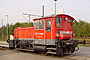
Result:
[{"x": 53, "y": 35}]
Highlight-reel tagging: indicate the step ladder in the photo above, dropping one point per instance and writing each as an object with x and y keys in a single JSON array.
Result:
[
  {"x": 51, "y": 50},
  {"x": 28, "y": 50}
]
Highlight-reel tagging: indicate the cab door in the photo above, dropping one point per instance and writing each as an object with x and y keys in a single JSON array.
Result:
[{"x": 48, "y": 31}]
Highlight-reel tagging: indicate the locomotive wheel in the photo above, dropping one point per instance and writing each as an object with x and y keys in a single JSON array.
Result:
[{"x": 60, "y": 52}]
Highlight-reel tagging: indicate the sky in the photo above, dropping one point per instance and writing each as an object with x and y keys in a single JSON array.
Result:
[{"x": 79, "y": 9}]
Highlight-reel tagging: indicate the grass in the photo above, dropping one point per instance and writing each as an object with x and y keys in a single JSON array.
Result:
[
  {"x": 82, "y": 39},
  {"x": 86, "y": 45},
  {"x": 3, "y": 44},
  {"x": 3, "y": 39}
]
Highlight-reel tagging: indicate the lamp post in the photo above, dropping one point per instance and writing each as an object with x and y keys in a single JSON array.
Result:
[
  {"x": 2, "y": 28},
  {"x": 43, "y": 11},
  {"x": 55, "y": 6},
  {"x": 7, "y": 26}
]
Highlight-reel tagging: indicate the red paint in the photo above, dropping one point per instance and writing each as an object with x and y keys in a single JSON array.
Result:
[
  {"x": 23, "y": 33},
  {"x": 30, "y": 32}
]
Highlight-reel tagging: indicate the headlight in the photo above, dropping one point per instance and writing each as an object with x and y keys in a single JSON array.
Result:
[{"x": 61, "y": 36}]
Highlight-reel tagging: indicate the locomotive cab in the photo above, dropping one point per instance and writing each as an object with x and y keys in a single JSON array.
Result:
[{"x": 48, "y": 29}]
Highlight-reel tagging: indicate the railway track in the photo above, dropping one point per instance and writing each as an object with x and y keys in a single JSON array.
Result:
[
  {"x": 67, "y": 57},
  {"x": 27, "y": 55},
  {"x": 77, "y": 57},
  {"x": 3, "y": 45},
  {"x": 82, "y": 54}
]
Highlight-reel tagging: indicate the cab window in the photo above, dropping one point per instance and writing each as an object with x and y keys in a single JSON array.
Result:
[
  {"x": 48, "y": 25},
  {"x": 36, "y": 24},
  {"x": 69, "y": 23},
  {"x": 41, "y": 24},
  {"x": 59, "y": 22}
]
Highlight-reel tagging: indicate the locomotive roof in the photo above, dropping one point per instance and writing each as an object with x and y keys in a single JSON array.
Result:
[{"x": 53, "y": 16}]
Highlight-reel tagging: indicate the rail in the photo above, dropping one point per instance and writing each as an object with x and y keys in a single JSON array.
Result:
[{"x": 87, "y": 42}]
